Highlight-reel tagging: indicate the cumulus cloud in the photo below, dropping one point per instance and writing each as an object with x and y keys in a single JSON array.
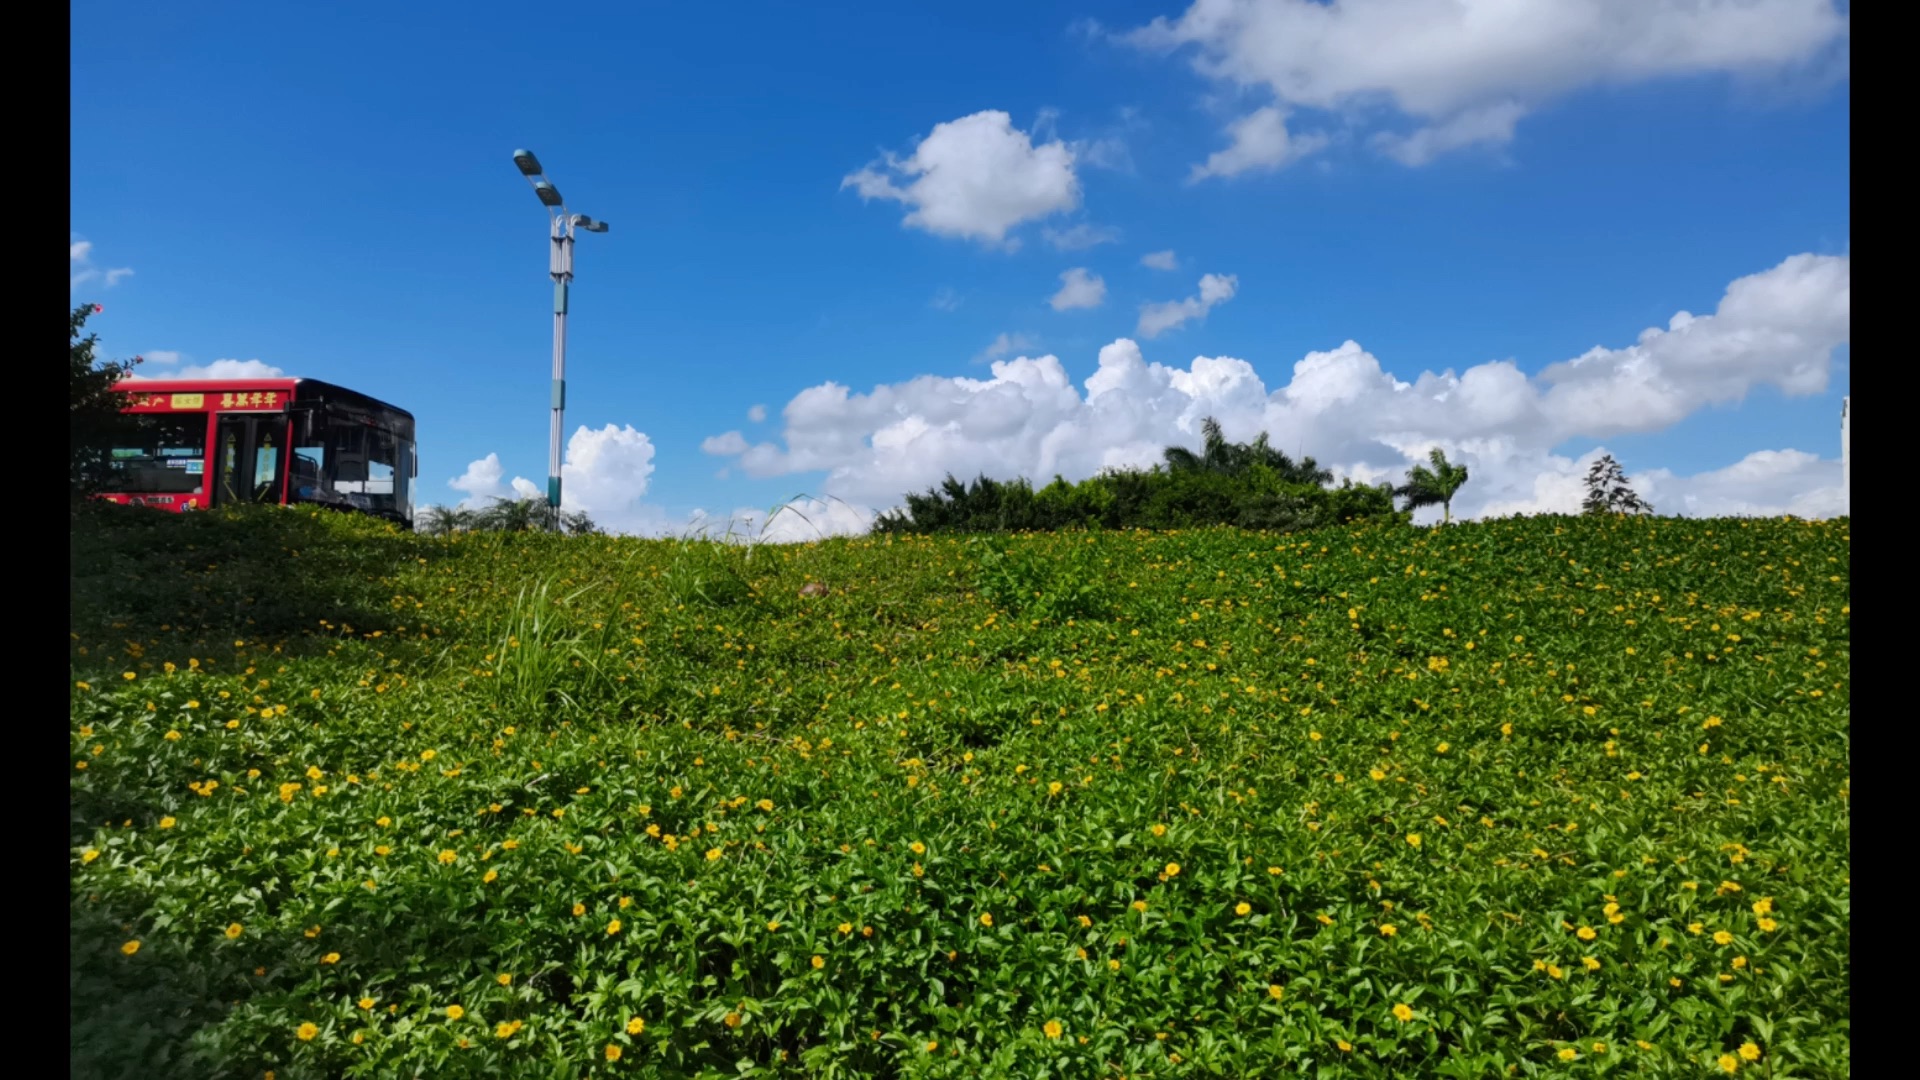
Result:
[
  {"x": 219, "y": 369},
  {"x": 1777, "y": 329},
  {"x": 1160, "y": 260},
  {"x": 756, "y": 413},
  {"x": 81, "y": 269},
  {"x": 1080, "y": 237},
  {"x": 795, "y": 522},
  {"x": 975, "y": 178},
  {"x": 1158, "y": 318},
  {"x": 604, "y": 475},
  {"x": 1005, "y": 345},
  {"x": 1259, "y": 142},
  {"x": 1464, "y": 72},
  {"x": 1079, "y": 289}
]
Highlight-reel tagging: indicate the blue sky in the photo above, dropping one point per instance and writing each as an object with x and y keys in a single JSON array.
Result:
[{"x": 329, "y": 192}]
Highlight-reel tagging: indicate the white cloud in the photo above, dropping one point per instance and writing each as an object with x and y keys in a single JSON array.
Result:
[
  {"x": 1079, "y": 289},
  {"x": 726, "y": 443},
  {"x": 757, "y": 413},
  {"x": 1160, "y": 260},
  {"x": 1465, "y": 71},
  {"x": 1778, "y": 328},
  {"x": 1004, "y": 345},
  {"x": 219, "y": 369},
  {"x": 80, "y": 268},
  {"x": 795, "y": 522},
  {"x": 975, "y": 178},
  {"x": 1260, "y": 143},
  {"x": 1080, "y": 237},
  {"x": 946, "y": 299},
  {"x": 1158, "y": 318},
  {"x": 604, "y": 475},
  {"x": 162, "y": 356}
]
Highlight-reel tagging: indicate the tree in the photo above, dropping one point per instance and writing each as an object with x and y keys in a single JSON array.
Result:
[
  {"x": 517, "y": 515},
  {"x": 1609, "y": 492},
  {"x": 95, "y": 418},
  {"x": 1434, "y": 486}
]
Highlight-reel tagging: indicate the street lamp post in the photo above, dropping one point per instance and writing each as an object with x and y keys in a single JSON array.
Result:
[{"x": 560, "y": 268}]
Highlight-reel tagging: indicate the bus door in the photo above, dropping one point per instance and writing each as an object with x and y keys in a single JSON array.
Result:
[{"x": 249, "y": 458}]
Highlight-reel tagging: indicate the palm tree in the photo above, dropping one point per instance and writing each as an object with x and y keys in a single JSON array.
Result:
[
  {"x": 1433, "y": 486},
  {"x": 1216, "y": 453},
  {"x": 442, "y": 520}
]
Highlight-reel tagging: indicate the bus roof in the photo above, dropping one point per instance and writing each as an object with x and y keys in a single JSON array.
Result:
[{"x": 300, "y": 388}]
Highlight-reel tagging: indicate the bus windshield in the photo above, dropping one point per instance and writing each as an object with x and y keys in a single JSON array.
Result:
[
  {"x": 161, "y": 453},
  {"x": 346, "y": 460}
]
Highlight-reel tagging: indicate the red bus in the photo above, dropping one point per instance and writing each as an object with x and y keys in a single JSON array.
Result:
[{"x": 198, "y": 443}]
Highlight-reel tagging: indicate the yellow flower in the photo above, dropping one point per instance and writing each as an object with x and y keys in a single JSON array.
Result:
[
  {"x": 1568, "y": 1053},
  {"x": 819, "y": 962},
  {"x": 1342, "y": 1045},
  {"x": 765, "y": 804},
  {"x": 448, "y": 856},
  {"x": 330, "y": 958},
  {"x": 506, "y": 1029},
  {"x": 1585, "y": 933},
  {"x": 305, "y": 1032},
  {"x": 579, "y": 910},
  {"x": 732, "y": 1020},
  {"x": 1413, "y": 838},
  {"x": 1140, "y": 905},
  {"x": 1729, "y": 1063},
  {"x": 504, "y": 979},
  {"x": 89, "y": 855},
  {"x": 932, "y": 1046},
  {"x": 1275, "y": 990},
  {"x": 773, "y": 926},
  {"x": 382, "y": 850},
  {"x": 490, "y": 876},
  {"x": 986, "y": 919},
  {"x": 1590, "y": 963},
  {"x": 1052, "y": 1028},
  {"x": 1721, "y": 937},
  {"x": 1173, "y": 869},
  {"x": 1159, "y": 830},
  {"x": 636, "y": 1025},
  {"x": 713, "y": 854},
  {"x": 455, "y": 1012},
  {"x": 613, "y": 927},
  {"x": 1388, "y": 930},
  {"x": 846, "y": 928},
  {"x": 613, "y": 1052},
  {"x": 1554, "y": 971},
  {"x": 1242, "y": 908},
  {"x": 1402, "y": 1013},
  {"x": 917, "y": 848},
  {"x": 234, "y": 930},
  {"x": 1749, "y": 1051},
  {"x": 167, "y": 823},
  {"x": 1767, "y": 926},
  {"x": 130, "y": 948},
  {"x": 1377, "y": 773}
]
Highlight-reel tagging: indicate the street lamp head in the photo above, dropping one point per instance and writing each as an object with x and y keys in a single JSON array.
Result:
[
  {"x": 549, "y": 195},
  {"x": 582, "y": 221},
  {"x": 527, "y": 163}
]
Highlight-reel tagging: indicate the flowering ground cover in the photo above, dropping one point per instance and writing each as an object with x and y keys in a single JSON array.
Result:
[{"x": 1543, "y": 796}]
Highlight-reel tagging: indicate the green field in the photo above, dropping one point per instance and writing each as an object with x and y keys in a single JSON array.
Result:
[{"x": 1547, "y": 796}]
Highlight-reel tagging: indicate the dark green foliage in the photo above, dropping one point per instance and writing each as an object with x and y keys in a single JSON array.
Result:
[
  {"x": 505, "y": 515},
  {"x": 1248, "y": 485},
  {"x": 95, "y": 416}
]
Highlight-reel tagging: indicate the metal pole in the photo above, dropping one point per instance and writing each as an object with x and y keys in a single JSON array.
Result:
[{"x": 561, "y": 269}]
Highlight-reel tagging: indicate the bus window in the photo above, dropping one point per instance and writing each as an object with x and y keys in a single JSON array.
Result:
[{"x": 161, "y": 454}]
